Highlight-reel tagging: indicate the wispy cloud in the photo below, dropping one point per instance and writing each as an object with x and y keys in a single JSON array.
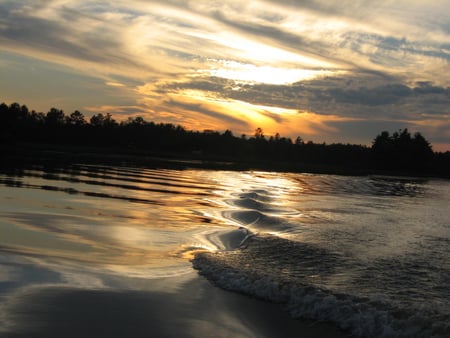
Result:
[{"x": 377, "y": 63}]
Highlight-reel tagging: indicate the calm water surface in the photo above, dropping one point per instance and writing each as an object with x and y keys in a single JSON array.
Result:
[{"x": 368, "y": 253}]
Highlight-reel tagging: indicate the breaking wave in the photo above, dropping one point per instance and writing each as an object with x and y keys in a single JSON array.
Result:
[
  {"x": 397, "y": 295},
  {"x": 282, "y": 271}
]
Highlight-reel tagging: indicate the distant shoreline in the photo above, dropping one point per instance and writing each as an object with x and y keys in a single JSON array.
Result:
[
  {"x": 34, "y": 138},
  {"x": 20, "y": 155}
]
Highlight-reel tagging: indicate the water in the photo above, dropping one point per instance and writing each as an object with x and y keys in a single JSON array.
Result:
[{"x": 370, "y": 254}]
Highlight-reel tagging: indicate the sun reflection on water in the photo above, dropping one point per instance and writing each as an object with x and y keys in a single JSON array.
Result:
[{"x": 147, "y": 221}]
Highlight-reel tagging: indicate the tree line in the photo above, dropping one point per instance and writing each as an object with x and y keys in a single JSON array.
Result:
[{"x": 399, "y": 152}]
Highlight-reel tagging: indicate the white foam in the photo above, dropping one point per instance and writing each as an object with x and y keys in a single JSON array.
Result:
[{"x": 360, "y": 317}]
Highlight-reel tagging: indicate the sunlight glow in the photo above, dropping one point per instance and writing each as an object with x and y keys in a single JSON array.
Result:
[
  {"x": 241, "y": 47},
  {"x": 237, "y": 71},
  {"x": 242, "y": 117},
  {"x": 257, "y": 114},
  {"x": 114, "y": 84}
]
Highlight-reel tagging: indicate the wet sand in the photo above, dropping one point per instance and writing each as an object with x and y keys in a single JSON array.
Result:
[{"x": 193, "y": 308}]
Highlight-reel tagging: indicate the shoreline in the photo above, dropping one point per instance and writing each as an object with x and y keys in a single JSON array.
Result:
[
  {"x": 21, "y": 155},
  {"x": 193, "y": 308}
]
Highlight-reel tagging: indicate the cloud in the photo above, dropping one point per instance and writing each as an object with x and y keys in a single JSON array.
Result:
[
  {"x": 199, "y": 108},
  {"x": 234, "y": 64},
  {"x": 148, "y": 39},
  {"x": 381, "y": 95},
  {"x": 114, "y": 84},
  {"x": 364, "y": 102},
  {"x": 116, "y": 110},
  {"x": 102, "y": 40}
]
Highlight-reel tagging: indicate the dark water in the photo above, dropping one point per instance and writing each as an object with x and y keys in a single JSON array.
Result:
[{"x": 368, "y": 253}]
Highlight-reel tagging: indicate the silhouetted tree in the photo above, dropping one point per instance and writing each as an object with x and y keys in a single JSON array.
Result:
[
  {"x": 299, "y": 141},
  {"x": 38, "y": 119},
  {"x": 101, "y": 120},
  {"x": 401, "y": 151},
  {"x": 228, "y": 134},
  {"x": 259, "y": 133},
  {"x": 76, "y": 119},
  {"x": 3, "y": 109},
  {"x": 134, "y": 121},
  {"x": 55, "y": 118}
]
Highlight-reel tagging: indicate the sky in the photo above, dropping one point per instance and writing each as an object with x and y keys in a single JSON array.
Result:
[{"x": 327, "y": 71}]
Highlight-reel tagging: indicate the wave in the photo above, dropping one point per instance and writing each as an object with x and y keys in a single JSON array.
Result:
[
  {"x": 257, "y": 210},
  {"x": 361, "y": 185},
  {"x": 107, "y": 182},
  {"x": 282, "y": 271}
]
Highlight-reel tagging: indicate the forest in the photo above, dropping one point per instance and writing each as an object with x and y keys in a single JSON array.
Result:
[{"x": 397, "y": 153}]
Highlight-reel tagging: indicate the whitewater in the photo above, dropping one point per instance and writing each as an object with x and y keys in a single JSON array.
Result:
[{"x": 367, "y": 253}]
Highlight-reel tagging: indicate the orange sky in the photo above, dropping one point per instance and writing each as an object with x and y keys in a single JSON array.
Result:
[{"x": 328, "y": 71}]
